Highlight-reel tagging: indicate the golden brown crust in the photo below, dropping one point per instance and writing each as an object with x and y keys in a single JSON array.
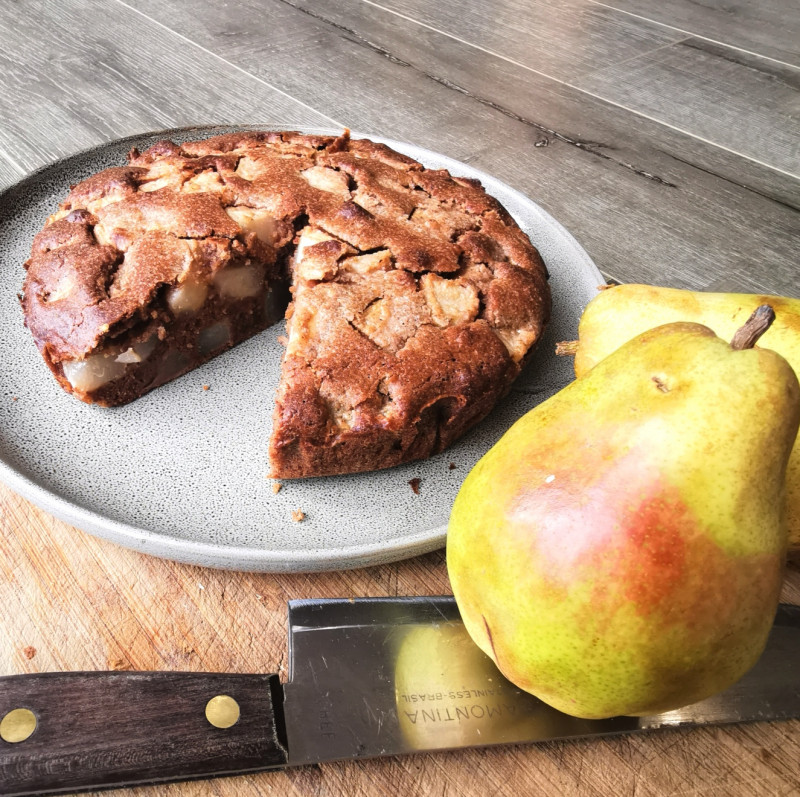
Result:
[{"x": 416, "y": 298}]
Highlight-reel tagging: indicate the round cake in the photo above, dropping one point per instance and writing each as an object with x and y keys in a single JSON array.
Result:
[{"x": 412, "y": 298}]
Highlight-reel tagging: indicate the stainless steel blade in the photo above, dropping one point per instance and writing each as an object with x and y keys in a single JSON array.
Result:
[{"x": 384, "y": 676}]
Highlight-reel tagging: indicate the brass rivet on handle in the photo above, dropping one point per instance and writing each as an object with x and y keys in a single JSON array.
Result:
[
  {"x": 17, "y": 725},
  {"x": 222, "y": 711}
]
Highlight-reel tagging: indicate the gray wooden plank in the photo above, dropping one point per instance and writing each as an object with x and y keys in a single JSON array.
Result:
[
  {"x": 740, "y": 101},
  {"x": 592, "y": 124},
  {"x": 768, "y": 27},
  {"x": 559, "y": 38},
  {"x": 623, "y": 185},
  {"x": 10, "y": 173},
  {"x": 723, "y": 95},
  {"x": 73, "y": 75}
]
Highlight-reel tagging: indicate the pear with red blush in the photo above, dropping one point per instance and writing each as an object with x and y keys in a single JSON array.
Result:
[{"x": 620, "y": 550}]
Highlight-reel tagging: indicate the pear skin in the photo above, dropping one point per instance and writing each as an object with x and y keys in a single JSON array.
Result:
[
  {"x": 620, "y": 313},
  {"x": 620, "y": 550}
]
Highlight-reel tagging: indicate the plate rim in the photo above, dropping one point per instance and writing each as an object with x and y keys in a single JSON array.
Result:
[{"x": 241, "y": 557}]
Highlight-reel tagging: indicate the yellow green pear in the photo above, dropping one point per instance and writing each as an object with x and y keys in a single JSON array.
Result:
[
  {"x": 620, "y": 313},
  {"x": 620, "y": 550}
]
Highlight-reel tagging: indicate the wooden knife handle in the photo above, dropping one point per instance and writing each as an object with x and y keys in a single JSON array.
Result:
[{"x": 104, "y": 729}]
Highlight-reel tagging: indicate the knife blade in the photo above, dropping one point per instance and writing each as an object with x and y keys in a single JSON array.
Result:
[{"x": 367, "y": 677}]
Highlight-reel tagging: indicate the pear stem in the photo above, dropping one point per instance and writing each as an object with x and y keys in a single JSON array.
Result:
[
  {"x": 567, "y": 348},
  {"x": 755, "y": 326}
]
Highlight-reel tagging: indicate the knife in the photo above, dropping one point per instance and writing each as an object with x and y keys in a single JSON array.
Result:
[{"x": 367, "y": 677}]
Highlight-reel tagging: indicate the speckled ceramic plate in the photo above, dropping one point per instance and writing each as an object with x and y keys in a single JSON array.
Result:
[{"x": 181, "y": 473}]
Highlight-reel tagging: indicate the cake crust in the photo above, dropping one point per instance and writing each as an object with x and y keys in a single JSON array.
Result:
[{"x": 416, "y": 298}]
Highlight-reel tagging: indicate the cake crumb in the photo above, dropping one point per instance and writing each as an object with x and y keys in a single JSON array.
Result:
[
  {"x": 452, "y": 466},
  {"x": 118, "y": 664},
  {"x": 29, "y": 651},
  {"x": 15, "y": 398},
  {"x": 283, "y": 340},
  {"x": 276, "y": 487},
  {"x": 298, "y": 515},
  {"x": 415, "y": 483},
  {"x": 206, "y": 387}
]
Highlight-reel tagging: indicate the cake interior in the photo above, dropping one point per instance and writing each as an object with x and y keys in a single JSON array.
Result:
[{"x": 188, "y": 323}]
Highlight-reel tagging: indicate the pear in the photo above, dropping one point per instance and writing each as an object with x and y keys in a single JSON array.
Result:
[
  {"x": 620, "y": 313},
  {"x": 620, "y": 550}
]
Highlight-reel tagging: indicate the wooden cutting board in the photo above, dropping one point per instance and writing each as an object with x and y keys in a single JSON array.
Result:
[{"x": 71, "y": 602}]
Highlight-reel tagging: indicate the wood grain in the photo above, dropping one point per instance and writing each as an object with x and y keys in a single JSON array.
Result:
[
  {"x": 718, "y": 79},
  {"x": 601, "y": 172},
  {"x": 10, "y": 173},
  {"x": 743, "y": 102},
  {"x": 765, "y": 28},
  {"x": 559, "y": 111},
  {"x": 74, "y": 75},
  {"x": 561, "y": 39},
  {"x": 72, "y": 602},
  {"x": 103, "y": 729}
]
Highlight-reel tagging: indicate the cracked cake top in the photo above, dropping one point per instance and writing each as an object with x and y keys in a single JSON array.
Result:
[{"x": 416, "y": 297}]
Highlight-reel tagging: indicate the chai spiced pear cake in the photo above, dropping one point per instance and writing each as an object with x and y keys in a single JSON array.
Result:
[{"x": 412, "y": 298}]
